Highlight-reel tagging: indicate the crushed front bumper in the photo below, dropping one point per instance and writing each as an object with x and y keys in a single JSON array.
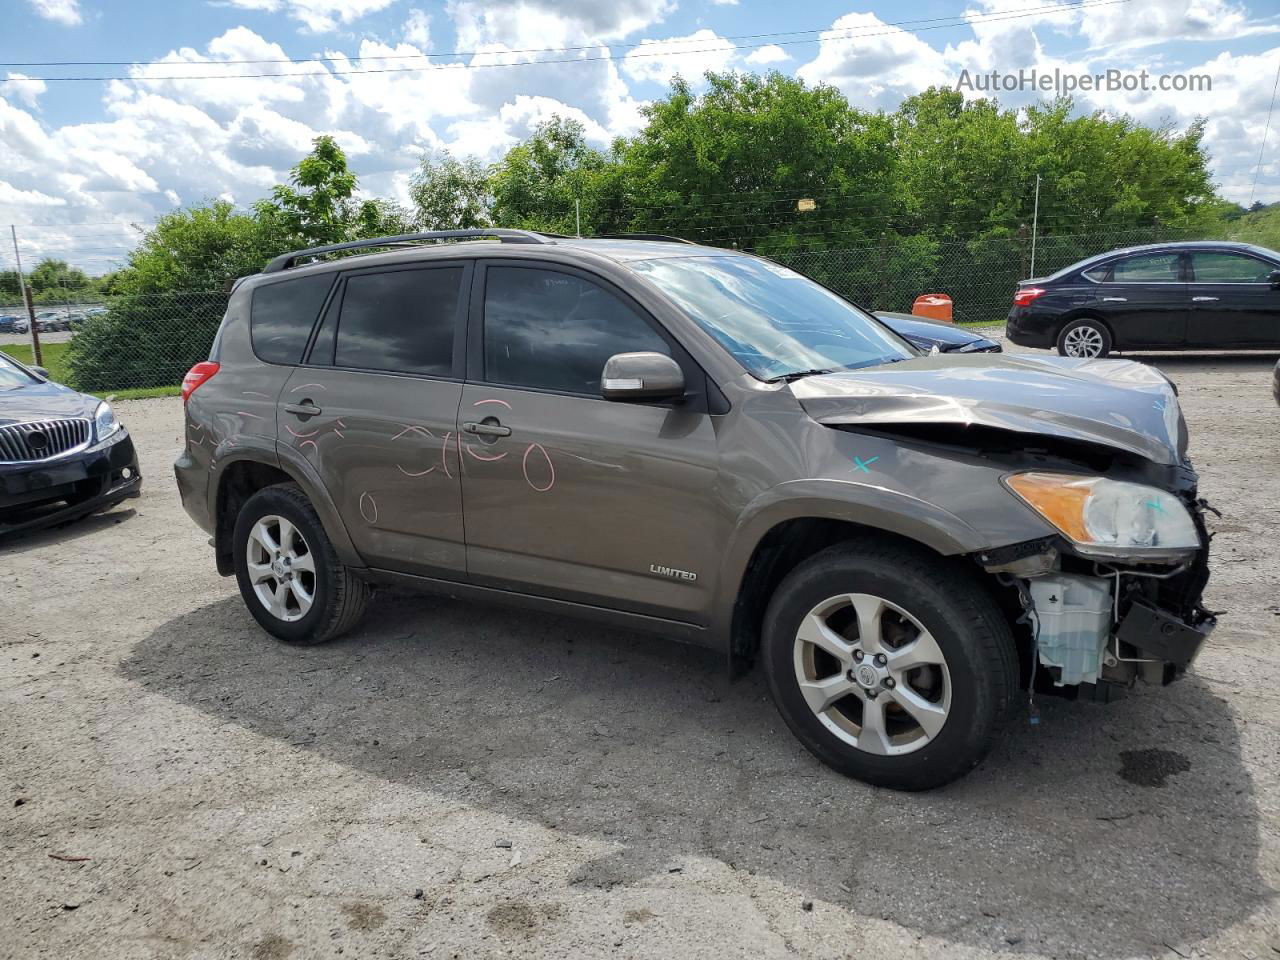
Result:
[{"x": 45, "y": 494}]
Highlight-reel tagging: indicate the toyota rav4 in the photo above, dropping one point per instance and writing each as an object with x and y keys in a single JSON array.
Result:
[{"x": 702, "y": 444}]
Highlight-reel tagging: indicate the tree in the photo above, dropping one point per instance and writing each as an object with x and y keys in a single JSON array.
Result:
[
  {"x": 57, "y": 276},
  {"x": 542, "y": 183},
  {"x": 319, "y": 206},
  {"x": 451, "y": 194}
]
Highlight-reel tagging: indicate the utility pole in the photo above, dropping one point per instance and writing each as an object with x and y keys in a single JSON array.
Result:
[
  {"x": 1035, "y": 222},
  {"x": 36, "y": 358},
  {"x": 577, "y": 215}
]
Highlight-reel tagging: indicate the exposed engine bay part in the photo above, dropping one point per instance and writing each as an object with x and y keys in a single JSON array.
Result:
[{"x": 1072, "y": 615}]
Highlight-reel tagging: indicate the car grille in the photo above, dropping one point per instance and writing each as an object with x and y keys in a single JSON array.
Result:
[{"x": 41, "y": 439}]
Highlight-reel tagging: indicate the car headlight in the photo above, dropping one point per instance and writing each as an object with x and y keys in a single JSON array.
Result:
[
  {"x": 104, "y": 422},
  {"x": 1109, "y": 517}
]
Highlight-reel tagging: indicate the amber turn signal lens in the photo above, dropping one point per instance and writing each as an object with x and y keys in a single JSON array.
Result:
[{"x": 1059, "y": 499}]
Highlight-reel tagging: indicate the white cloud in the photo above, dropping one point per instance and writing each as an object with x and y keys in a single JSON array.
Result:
[
  {"x": 690, "y": 57},
  {"x": 417, "y": 29},
  {"x": 768, "y": 54},
  {"x": 24, "y": 88},
  {"x": 317, "y": 16},
  {"x": 60, "y": 11},
  {"x": 12, "y": 196},
  {"x": 529, "y": 24},
  {"x": 725, "y": 3},
  {"x": 874, "y": 64}
]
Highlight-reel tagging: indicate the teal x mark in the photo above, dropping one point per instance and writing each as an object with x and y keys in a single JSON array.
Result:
[
  {"x": 1155, "y": 505},
  {"x": 863, "y": 465}
]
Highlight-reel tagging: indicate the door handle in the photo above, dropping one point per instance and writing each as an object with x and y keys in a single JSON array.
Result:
[
  {"x": 489, "y": 427},
  {"x": 304, "y": 409},
  {"x": 1115, "y": 299},
  {"x": 1203, "y": 299}
]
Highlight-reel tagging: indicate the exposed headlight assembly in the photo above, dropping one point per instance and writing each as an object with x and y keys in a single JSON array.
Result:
[
  {"x": 104, "y": 422},
  {"x": 1110, "y": 518}
]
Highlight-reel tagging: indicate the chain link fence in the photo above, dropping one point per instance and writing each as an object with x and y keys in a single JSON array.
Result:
[{"x": 150, "y": 340}]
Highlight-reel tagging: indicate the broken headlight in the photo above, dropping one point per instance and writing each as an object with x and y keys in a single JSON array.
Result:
[{"x": 1109, "y": 517}]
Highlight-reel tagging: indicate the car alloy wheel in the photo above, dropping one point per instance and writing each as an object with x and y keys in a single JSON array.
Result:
[
  {"x": 1083, "y": 341},
  {"x": 872, "y": 675},
  {"x": 281, "y": 568}
]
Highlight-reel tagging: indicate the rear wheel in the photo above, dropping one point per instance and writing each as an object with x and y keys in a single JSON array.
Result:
[
  {"x": 890, "y": 664},
  {"x": 1086, "y": 338},
  {"x": 289, "y": 574}
]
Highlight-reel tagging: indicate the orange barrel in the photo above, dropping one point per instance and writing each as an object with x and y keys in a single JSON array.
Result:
[{"x": 935, "y": 306}]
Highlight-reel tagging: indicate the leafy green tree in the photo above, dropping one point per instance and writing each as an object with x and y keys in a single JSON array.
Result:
[
  {"x": 10, "y": 285},
  {"x": 58, "y": 276},
  {"x": 536, "y": 184},
  {"x": 451, "y": 194}
]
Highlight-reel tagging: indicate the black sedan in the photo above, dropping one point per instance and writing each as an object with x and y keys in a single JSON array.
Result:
[
  {"x": 1168, "y": 296},
  {"x": 63, "y": 455},
  {"x": 925, "y": 334}
]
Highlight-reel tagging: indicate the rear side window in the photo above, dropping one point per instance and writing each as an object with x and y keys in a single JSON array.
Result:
[
  {"x": 1228, "y": 268},
  {"x": 282, "y": 315},
  {"x": 402, "y": 321},
  {"x": 554, "y": 331},
  {"x": 1152, "y": 268}
]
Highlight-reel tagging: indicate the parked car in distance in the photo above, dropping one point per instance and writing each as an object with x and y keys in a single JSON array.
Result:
[
  {"x": 7, "y": 323},
  {"x": 21, "y": 325},
  {"x": 925, "y": 334},
  {"x": 1207, "y": 295},
  {"x": 63, "y": 454},
  {"x": 706, "y": 445}
]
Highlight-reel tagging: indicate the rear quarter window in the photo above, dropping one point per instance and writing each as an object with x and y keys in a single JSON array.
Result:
[{"x": 282, "y": 315}]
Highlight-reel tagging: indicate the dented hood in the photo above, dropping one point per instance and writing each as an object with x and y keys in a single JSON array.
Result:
[{"x": 1118, "y": 403}]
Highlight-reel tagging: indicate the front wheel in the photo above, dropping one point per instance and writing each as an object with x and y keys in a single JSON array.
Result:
[
  {"x": 889, "y": 663},
  {"x": 289, "y": 574},
  {"x": 1086, "y": 339}
]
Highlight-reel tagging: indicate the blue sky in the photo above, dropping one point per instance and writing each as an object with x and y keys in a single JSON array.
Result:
[{"x": 83, "y": 162}]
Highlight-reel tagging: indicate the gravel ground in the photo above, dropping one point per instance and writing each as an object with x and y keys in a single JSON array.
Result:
[{"x": 454, "y": 781}]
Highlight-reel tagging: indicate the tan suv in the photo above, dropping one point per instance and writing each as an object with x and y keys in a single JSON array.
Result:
[{"x": 705, "y": 445}]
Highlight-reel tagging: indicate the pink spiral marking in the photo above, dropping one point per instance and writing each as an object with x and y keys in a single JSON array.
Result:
[
  {"x": 410, "y": 473},
  {"x": 311, "y": 442},
  {"x": 340, "y": 433},
  {"x": 303, "y": 386},
  {"x": 373, "y": 505},
  {"x": 409, "y": 428},
  {"x": 444, "y": 455},
  {"x": 485, "y": 459},
  {"x": 242, "y": 413},
  {"x": 524, "y": 465},
  {"x": 300, "y": 436},
  {"x": 492, "y": 400},
  {"x": 255, "y": 393}
]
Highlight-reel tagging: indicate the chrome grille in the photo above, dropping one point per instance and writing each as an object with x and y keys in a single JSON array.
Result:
[{"x": 41, "y": 439}]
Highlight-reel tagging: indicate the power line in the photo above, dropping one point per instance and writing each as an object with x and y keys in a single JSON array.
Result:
[
  {"x": 1265, "y": 130},
  {"x": 636, "y": 51}
]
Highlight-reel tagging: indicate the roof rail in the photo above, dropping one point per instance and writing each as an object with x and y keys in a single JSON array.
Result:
[
  {"x": 287, "y": 260},
  {"x": 643, "y": 236}
]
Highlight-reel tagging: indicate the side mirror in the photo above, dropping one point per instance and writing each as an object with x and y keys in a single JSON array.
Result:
[
  {"x": 1275, "y": 279},
  {"x": 40, "y": 371},
  {"x": 641, "y": 376}
]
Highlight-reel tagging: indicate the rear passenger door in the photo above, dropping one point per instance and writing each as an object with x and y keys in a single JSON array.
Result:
[
  {"x": 1232, "y": 302},
  {"x": 374, "y": 410},
  {"x": 567, "y": 494},
  {"x": 1145, "y": 301}
]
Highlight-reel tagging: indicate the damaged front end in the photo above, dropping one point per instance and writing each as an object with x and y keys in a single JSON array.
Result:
[{"x": 1098, "y": 625}]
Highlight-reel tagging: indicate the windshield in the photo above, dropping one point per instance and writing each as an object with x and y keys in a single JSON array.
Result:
[
  {"x": 11, "y": 375},
  {"x": 776, "y": 322}
]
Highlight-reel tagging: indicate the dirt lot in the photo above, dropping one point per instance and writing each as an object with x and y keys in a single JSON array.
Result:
[{"x": 460, "y": 782}]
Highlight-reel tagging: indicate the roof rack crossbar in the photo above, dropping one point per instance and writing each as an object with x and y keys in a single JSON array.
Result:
[
  {"x": 288, "y": 260},
  {"x": 643, "y": 236}
]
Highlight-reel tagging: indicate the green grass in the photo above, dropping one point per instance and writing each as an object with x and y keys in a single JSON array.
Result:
[{"x": 55, "y": 361}]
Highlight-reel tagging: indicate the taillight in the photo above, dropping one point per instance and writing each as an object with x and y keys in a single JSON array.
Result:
[
  {"x": 1026, "y": 295},
  {"x": 200, "y": 373}
]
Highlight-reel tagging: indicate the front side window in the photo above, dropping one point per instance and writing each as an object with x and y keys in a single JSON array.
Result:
[
  {"x": 282, "y": 314},
  {"x": 1150, "y": 268},
  {"x": 1228, "y": 268},
  {"x": 777, "y": 323},
  {"x": 402, "y": 321},
  {"x": 554, "y": 331},
  {"x": 12, "y": 375}
]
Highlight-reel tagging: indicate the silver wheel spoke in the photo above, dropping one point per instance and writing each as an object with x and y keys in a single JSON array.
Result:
[
  {"x": 930, "y": 716},
  {"x": 920, "y": 652},
  {"x": 286, "y": 535},
  {"x": 870, "y": 610},
  {"x": 258, "y": 572},
  {"x": 300, "y": 594},
  {"x": 280, "y": 600},
  {"x": 820, "y": 694},
  {"x": 814, "y": 630},
  {"x": 873, "y": 738},
  {"x": 262, "y": 535},
  {"x": 303, "y": 564}
]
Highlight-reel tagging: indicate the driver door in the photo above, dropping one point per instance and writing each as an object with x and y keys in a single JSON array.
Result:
[{"x": 566, "y": 494}]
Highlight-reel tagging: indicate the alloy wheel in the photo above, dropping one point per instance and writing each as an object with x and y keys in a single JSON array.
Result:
[
  {"x": 872, "y": 674},
  {"x": 281, "y": 568},
  {"x": 1083, "y": 342}
]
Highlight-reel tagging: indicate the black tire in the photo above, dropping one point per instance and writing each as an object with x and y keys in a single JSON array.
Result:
[
  {"x": 1095, "y": 331},
  {"x": 949, "y": 601},
  {"x": 339, "y": 595}
]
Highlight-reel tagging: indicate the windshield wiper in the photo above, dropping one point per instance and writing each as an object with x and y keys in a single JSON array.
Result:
[{"x": 796, "y": 375}]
